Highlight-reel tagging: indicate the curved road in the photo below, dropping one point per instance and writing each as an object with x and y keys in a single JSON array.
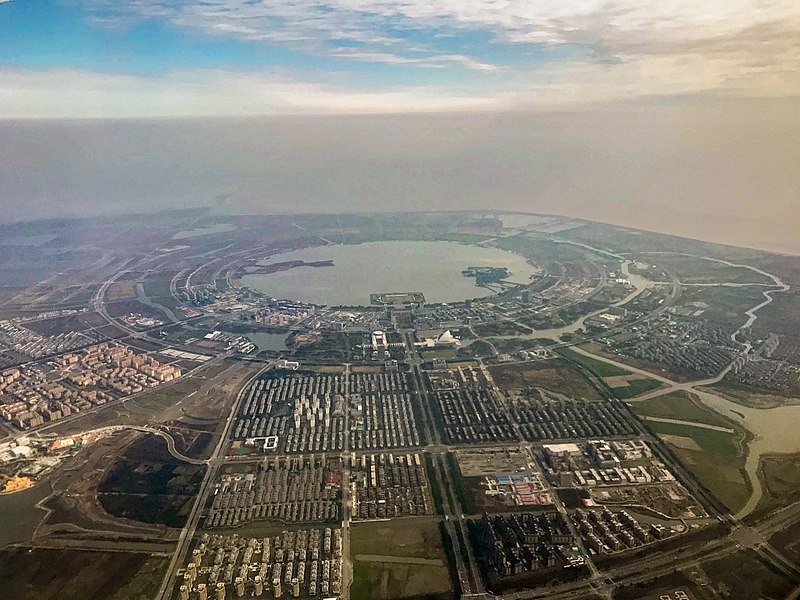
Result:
[
  {"x": 691, "y": 386},
  {"x": 151, "y": 430}
]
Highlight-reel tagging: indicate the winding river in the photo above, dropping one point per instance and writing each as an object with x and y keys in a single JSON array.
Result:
[{"x": 774, "y": 430}]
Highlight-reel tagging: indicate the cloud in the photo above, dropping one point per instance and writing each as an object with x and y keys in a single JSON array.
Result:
[
  {"x": 86, "y": 94},
  {"x": 688, "y": 72},
  {"x": 311, "y": 26},
  {"x": 634, "y": 49},
  {"x": 78, "y": 94},
  {"x": 437, "y": 61},
  {"x": 618, "y": 24},
  {"x": 735, "y": 44}
]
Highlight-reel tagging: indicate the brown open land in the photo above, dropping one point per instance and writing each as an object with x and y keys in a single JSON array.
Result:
[
  {"x": 45, "y": 574},
  {"x": 414, "y": 565},
  {"x": 121, "y": 290},
  {"x": 682, "y": 442},
  {"x": 190, "y": 403},
  {"x": 127, "y": 485},
  {"x": 622, "y": 380},
  {"x": 76, "y": 509},
  {"x": 746, "y": 575},
  {"x": 556, "y": 375}
]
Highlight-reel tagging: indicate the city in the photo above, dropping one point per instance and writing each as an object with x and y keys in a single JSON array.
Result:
[{"x": 590, "y": 421}]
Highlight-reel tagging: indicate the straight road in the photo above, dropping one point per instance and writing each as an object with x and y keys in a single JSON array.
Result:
[
  {"x": 347, "y": 502},
  {"x": 187, "y": 533}
]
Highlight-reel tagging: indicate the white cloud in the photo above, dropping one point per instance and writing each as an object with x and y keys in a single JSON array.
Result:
[
  {"x": 618, "y": 23},
  {"x": 438, "y": 61},
  {"x": 645, "y": 76},
  {"x": 731, "y": 43},
  {"x": 84, "y": 94},
  {"x": 642, "y": 49},
  {"x": 73, "y": 93}
]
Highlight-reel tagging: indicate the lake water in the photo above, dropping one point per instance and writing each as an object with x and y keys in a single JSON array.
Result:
[
  {"x": 268, "y": 341},
  {"x": 433, "y": 268}
]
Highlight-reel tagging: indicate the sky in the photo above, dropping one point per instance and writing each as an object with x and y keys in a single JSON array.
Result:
[
  {"x": 670, "y": 115},
  {"x": 166, "y": 58}
]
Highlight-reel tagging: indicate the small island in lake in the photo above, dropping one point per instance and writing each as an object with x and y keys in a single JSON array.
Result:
[
  {"x": 484, "y": 275},
  {"x": 290, "y": 264}
]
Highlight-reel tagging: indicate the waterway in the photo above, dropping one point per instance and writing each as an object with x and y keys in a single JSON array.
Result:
[
  {"x": 774, "y": 432},
  {"x": 268, "y": 341},
  {"x": 19, "y": 515},
  {"x": 638, "y": 285},
  {"x": 433, "y": 268}
]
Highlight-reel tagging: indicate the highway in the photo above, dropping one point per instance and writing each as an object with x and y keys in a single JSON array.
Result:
[
  {"x": 144, "y": 429},
  {"x": 187, "y": 533},
  {"x": 347, "y": 503},
  {"x": 601, "y": 582},
  {"x": 470, "y": 580}
]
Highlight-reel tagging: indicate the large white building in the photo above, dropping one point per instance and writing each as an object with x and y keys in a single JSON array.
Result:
[{"x": 379, "y": 344}]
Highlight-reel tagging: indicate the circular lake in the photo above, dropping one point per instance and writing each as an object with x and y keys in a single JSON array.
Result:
[{"x": 433, "y": 268}]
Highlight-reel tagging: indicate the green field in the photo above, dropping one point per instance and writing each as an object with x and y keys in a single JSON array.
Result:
[
  {"x": 463, "y": 495},
  {"x": 682, "y": 406},
  {"x": 747, "y": 575},
  {"x": 445, "y": 353},
  {"x": 362, "y": 581},
  {"x": 635, "y": 387},
  {"x": 715, "y": 457},
  {"x": 436, "y": 492},
  {"x": 725, "y": 305},
  {"x": 598, "y": 367},
  {"x": 780, "y": 476},
  {"x": 150, "y": 485}
]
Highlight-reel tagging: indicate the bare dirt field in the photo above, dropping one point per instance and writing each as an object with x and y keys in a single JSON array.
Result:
[
  {"x": 413, "y": 566},
  {"x": 28, "y": 574},
  {"x": 556, "y": 375}
]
